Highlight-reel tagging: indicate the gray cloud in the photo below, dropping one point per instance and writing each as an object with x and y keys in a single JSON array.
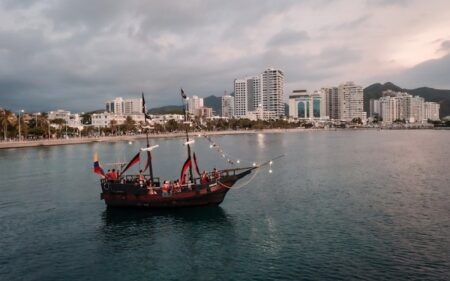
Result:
[
  {"x": 76, "y": 54},
  {"x": 287, "y": 37}
]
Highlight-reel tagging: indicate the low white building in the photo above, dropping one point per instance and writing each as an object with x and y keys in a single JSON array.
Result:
[{"x": 71, "y": 120}]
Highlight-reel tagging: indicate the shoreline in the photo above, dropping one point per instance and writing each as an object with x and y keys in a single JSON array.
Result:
[{"x": 86, "y": 140}]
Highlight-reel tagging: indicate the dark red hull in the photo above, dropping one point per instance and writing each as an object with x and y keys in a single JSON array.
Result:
[{"x": 118, "y": 194}]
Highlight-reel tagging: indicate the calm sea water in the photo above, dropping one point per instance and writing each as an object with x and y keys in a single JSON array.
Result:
[{"x": 341, "y": 205}]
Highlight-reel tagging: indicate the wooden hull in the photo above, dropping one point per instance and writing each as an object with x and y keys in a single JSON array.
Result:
[
  {"x": 203, "y": 197},
  {"x": 118, "y": 194}
]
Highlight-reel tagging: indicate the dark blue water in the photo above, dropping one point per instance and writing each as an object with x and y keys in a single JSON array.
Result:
[{"x": 342, "y": 205}]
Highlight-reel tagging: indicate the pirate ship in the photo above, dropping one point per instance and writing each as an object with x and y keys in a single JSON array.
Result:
[{"x": 148, "y": 191}]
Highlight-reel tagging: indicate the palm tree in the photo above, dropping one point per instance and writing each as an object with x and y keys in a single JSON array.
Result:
[{"x": 7, "y": 118}]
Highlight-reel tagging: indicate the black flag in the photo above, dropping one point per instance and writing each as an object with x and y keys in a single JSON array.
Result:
[
  {"x": 183, "y": 94},
  {"x": 144, "y": 109}
]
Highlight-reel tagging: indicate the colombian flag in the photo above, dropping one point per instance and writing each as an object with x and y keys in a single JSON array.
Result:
[{"x": 97, "y": 168}]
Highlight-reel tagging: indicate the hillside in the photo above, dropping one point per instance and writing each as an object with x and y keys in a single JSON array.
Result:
[
  {"x": 168, "y": 109},
  {"x": 442, "y": 97},
  {"x": 215, "y": 103}
]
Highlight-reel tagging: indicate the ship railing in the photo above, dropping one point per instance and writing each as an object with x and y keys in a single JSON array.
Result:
[{"x": 133, "y": 179}]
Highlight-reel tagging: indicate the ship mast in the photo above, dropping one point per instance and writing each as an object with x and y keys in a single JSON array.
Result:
[
  {"x": 149, "y": 154},
  {"x": 183, "y": 97}
]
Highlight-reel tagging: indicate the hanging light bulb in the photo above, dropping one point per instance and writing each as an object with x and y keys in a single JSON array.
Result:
[
  {"x": 271, "y": 162},
  {"x": 254, "y": 164},
  {"x": 270, "y": 171},
  {"x": 238, "y": 161},
  {"x": 210, "y": 146},
  {"x": 223, "y": 155}
]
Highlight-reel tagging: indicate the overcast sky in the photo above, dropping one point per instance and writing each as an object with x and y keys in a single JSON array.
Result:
[{"x": 77, "y": 54}]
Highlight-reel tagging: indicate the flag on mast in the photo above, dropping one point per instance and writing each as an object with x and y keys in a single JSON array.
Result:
[
  {"x": 183, "y": 95},
  {"x": 144, "y": 108},
  {"x": 97, "y": 168}
]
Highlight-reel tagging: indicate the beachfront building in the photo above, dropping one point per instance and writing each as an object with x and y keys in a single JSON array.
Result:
[
  {"x": 350, "y": 98},
  {"x": 332, "y": 102},
  {"x": 311, "y": 106},
  {"x": 227, "y": 106},
  {"x": 404, "y": 107},
  {"x": 72, "y": 120},
  {"x": 273, "y": 91},
  {"x": 260, "y": 92},
  {"x": 120, "y": 106},
  {"x": 204, "y": 112},
  {"x": 432, "y": 111},
  {"x": 193, "y": 104},
  {"x": 374, "y": 110}
]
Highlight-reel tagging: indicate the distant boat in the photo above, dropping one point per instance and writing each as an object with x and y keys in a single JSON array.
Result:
[{"x": 147, "y": 191}]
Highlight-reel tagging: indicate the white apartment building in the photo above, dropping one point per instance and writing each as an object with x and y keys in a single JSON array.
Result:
[
  {"x": 350, "y": 101},
  {"x": 403, "y": 106},
  {"x": 240, "y": 97},
  {"x": 120, "y": 106},
  {"x": 72, "y": 120},
  {"x": 432, "y": 111},
  {"x": 265, "y": 90},
  {"x": 227, "y": 106},
  {"x": 194, "y": 104},
  {"x": 273, "y": 91},
  {"x": 104, "y": 119}
]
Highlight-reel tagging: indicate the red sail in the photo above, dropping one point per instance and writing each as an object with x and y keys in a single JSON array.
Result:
[
  {"x": 184, "y": 170},
  {"x": 133, "y": 161}
]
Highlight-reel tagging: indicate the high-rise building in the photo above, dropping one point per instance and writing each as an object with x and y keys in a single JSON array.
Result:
[
  {"x": 260, "y": 92},
  {"x": 332, "y": 102},
  {"x": 403, "y": 106},
  {"x": 193, "y": 104},
  {"x": 273, "y": 91},
  {"x": 240, "y": 97},
  {"x": 115, "y": 106},
  {"x": 350, "y": 101},
  {"x": 227, "y": 106},
  {"x": 374, "y": 108},
  {"x": 432, "y": 111},
  {"x": 120, "y": 106},
  {"x": 132, "y": 106}
]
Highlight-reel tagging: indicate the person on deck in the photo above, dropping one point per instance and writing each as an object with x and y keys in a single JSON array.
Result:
[
  {"x": 204, "y": 178},
  {"x": 113, "y": 175},
  {"x": 141, "y": 178},
  {"x": 176, "y": 187},
  {"x": 108, "y": 175},
  {"x": 165, "y": 189},
  {"x": 216, "y": 174}
]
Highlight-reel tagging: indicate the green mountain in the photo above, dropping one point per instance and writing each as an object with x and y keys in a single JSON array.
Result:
[
  {"x": 442, "y": 97},
  {"x": 215, "y": 103},
  {"x": 168, "y": 109}
]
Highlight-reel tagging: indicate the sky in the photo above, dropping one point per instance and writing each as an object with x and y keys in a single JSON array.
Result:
[{"x": 76, "y": 55}]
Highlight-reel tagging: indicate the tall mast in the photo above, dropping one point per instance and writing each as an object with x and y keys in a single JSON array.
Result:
[
  {"x": 149, "y": 154},
  {"x": 183, "y": 97}
]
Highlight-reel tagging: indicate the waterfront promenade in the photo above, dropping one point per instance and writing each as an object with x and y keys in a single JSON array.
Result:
[{"x": 83, "y": 140}]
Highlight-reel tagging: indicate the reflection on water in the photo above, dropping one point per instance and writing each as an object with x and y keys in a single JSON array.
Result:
[{"x": 340, "y": 205}]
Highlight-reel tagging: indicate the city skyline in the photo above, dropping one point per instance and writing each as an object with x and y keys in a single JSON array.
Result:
[{"x": 79, "y": 54}]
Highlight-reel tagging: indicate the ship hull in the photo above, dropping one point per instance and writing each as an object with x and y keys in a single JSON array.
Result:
[
  {"x": 183, "y": 199},
  {"x": 131, "y": 194}
]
